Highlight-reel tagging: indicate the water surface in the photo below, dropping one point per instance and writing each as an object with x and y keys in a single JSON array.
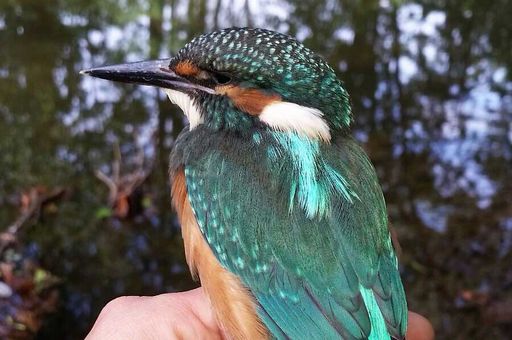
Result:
[{"x": 431, "y": 89}]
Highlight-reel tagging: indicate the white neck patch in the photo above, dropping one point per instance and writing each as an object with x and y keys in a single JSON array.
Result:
[
  {"x": 308, "y": 121},
  {"x": 282, "y": 116},
  {"x": 185, "y": 102}
]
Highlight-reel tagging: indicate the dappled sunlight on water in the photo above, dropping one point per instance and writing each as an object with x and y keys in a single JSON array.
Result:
[{"x": 432, "y": 97}]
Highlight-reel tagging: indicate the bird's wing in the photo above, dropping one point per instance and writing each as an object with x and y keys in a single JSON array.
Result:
[{"x": 318, "y": 258}]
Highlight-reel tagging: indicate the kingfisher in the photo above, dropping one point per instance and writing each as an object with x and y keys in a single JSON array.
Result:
[{"x": 283, "y": 219}]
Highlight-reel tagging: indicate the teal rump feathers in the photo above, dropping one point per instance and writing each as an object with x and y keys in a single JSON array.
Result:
[{"x": 303, "y": 224}]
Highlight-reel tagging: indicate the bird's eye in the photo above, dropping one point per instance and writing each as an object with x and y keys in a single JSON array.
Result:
[{"x": 221, "y": 79}]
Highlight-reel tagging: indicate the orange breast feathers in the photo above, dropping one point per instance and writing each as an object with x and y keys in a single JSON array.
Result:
[{"x": 233, "y": 304}]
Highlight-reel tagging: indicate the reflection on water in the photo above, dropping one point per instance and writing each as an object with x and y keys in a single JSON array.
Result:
[{"x": 432, "y": 94}]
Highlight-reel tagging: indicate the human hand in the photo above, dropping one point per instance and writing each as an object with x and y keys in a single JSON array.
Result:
[{"x": 185, "y": 315}]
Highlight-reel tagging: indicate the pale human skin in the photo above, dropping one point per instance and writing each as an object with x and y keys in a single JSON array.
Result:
[{"x": 185, "y": 315}]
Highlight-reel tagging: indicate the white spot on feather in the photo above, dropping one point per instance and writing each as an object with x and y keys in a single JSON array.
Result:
[
  {"x": 187, "y": 104},
  {"x": 308, "y": 121}
]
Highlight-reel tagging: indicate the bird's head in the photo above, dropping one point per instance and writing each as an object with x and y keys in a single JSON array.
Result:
[{"x": 240, "y": 79}]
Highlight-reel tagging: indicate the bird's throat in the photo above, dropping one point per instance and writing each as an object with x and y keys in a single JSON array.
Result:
[{"x": 188, "y": 105}]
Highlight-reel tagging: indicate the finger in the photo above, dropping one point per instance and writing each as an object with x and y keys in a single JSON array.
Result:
[
  {"x": 116, "y": 320},
  {"x": 186, "y": 315},
  {"x": 419, "y": 328},
  {"x": 197, "y": 317},
  {"x": 198, "y": 303}
]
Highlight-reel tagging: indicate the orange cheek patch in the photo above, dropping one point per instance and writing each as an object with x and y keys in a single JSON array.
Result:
[
  {"x": 252, "y": 101},
  {"x": 186, "y": 68}
]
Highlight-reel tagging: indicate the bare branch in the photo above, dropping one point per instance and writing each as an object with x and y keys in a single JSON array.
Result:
[{"x": 111, "y": 185}]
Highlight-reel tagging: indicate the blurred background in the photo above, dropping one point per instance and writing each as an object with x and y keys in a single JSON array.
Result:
[{"x": 85, "y": 212}]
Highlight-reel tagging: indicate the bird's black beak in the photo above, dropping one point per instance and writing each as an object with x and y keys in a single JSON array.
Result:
[{"x": 152, "y": 73}]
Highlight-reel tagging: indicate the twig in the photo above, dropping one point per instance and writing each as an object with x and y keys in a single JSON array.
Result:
[
  {"x": 122, "y": 186},
  {"x": 37, "y": 201},
  {"x": 110, "y": 183}
]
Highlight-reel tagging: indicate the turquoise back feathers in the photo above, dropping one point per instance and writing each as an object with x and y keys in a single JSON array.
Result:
[{"x": 304, "y": 225}]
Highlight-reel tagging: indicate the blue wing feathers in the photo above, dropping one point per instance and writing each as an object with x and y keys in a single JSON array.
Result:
[
  {"x": 272, "y": 325},
  {"x": 308, "y": 273},
  {"x": 393, "y": 310}
]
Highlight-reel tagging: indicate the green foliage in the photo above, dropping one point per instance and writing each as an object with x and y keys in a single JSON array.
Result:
[{"x": 103, "y": 212}]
